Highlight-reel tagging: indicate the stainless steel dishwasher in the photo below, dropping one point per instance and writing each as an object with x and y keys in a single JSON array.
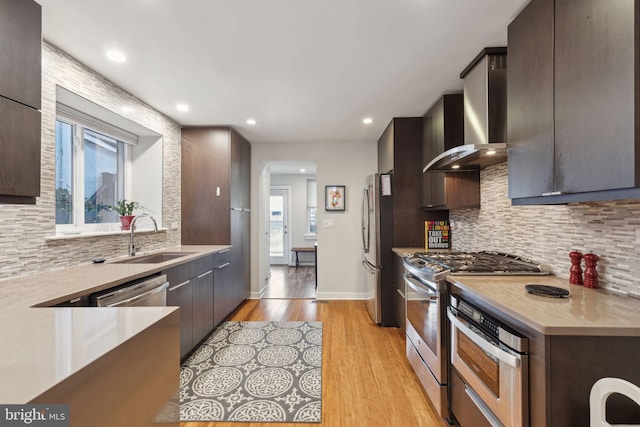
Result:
[{"x": 151, "y": 291}]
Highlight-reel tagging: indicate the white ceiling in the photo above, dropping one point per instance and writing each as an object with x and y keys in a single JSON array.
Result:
[{"x": 305, "y": 70}]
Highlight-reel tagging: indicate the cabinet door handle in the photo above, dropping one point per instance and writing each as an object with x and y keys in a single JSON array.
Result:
[
  {"x": 552, "y": 193},
  {"x": 204, "y": 274},
  {"x": 220, "y": 267},
  {"x": 178, "y": 286}
]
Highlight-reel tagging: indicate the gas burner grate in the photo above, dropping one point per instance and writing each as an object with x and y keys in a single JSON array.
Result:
[{"x": 478, "y": 263}]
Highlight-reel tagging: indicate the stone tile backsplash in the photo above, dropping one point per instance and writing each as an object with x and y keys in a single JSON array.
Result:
[
  {"x": 23, "y": 229},
  {"x": 548, "y": 233}
]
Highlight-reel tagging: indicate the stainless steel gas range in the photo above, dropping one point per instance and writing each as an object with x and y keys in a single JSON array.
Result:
[{"x": 427, "y": 300}]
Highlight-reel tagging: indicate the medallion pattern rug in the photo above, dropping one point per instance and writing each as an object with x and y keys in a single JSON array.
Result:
[{"x": 255, "y": 372}]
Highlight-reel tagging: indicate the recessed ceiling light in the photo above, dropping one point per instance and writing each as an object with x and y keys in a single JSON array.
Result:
[
  {"x": 182, "y": 107},
  {"x": 367, "y": 120},
  {"x": 303, "y": 170},
  {"x": 116, "y": 55},
  {"x": 251, "y": 122},
  {"x": 455, "y": 167}
]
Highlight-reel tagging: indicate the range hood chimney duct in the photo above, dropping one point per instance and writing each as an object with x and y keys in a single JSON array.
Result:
[{"x": 485, "y": 116}]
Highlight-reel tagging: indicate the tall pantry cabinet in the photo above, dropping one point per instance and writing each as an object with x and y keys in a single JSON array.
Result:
[
  {"x": 400, "y": 154},
  {"x": 216, "y": 183}
]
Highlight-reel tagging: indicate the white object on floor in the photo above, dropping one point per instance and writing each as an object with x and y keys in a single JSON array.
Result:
[{"x": 601, "y": 391}]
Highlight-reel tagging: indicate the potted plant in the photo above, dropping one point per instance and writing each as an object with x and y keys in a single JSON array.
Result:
[{"x": 125, "y": 209}]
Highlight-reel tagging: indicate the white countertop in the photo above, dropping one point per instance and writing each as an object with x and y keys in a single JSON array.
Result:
[
  {"x": 40, "y": 347},
  {"x": 595, "y": 312}
]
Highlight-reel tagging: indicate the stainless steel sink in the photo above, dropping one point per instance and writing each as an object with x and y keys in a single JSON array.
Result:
[{"x": 154, "y": 258}]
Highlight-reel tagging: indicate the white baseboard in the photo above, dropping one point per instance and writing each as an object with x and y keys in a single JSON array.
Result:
[
  {"x": 321, "y": 295},
  {"x": 341, "y": 295}
]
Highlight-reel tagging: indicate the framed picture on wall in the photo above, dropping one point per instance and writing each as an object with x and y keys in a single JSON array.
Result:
[{"x": 334, "y": 197}]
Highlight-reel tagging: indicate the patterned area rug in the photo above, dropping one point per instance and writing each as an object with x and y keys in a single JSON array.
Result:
[{"x": 255, "y": 372}]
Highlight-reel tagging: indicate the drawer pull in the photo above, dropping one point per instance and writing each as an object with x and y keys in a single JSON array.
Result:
[
  {"x": 205, "y": 274},
  {"x": 178, "y": 286}
]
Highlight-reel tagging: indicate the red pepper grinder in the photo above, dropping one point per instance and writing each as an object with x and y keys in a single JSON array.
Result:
[
  {"x": 575, "y": 272},
  {"x": 590, "y": 273}
]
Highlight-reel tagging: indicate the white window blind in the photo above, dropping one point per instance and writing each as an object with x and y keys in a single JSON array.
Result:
[
  {"x": 312, "y": 193},
  {"x": 98, "y": 125}
]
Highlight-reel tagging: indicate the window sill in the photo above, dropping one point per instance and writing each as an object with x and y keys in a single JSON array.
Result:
[{"x": 82, "y": 235}]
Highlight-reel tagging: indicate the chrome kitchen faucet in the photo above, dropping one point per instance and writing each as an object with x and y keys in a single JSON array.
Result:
[{"x": 132, "y": 246}]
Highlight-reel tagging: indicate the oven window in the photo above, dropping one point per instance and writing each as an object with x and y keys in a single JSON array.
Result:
[
  {"x": 423, "y": 315},
  {"x": 482, "y": 364}
]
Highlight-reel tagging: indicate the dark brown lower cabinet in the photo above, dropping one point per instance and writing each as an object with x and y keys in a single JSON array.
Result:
[
  {"x": 203, "y": 295},
  {"x": 398, "y": 283},
  {"x": 191, "y": 287},
  {"x": 238, "y": 285},
  {"x": 563, "y": 371},
  {"x": 223, "y": 275},
  {"x": 181, "y": 295}
]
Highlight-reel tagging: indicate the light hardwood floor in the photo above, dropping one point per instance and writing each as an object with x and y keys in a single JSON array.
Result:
[
  {"x": 366, "y": 379},
  {"x": 291, "y": 282}
]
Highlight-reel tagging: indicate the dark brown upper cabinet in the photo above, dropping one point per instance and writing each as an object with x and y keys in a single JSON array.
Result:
[
  {"x": 572, "y": 105},
  {"x": 443, "y": 129},
  {"x": 19, "y": 153},
  {"x": 20, "y": 94},
  {"x": 386, "y": 149},
  {"x": 21, "y": 51}
]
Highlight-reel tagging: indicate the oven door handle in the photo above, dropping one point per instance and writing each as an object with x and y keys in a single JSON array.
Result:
[
  {"x": 485, "y": 345},
  {"x": 420, "y": 287}
]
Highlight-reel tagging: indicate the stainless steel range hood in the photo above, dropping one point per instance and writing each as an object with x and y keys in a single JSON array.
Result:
[
  {"x": 468, "y": 157},
  {"x": 485, "y": 116}
]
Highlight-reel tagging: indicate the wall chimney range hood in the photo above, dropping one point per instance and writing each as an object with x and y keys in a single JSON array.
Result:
[
  {"x": 468, "y": 157},
  {"x": 485, "y": 116}
]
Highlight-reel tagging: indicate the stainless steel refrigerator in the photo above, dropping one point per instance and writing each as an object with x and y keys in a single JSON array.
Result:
[{"x": 377, "y": 239}]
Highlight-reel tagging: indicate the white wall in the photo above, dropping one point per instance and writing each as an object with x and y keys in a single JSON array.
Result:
[
  {"x": 340, "y": 275},
  {"x": 259, "y": 233}
]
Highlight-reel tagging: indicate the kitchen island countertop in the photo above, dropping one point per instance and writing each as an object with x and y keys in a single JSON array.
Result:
[
  {"x": 587, "y": 312},
  {"x": 42, "y": 347}
]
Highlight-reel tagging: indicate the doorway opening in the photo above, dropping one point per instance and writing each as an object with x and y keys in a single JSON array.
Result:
[{"x": 290, "y": 220}]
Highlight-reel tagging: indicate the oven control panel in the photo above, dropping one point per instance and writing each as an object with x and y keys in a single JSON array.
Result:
[
  {"x": 492, "y": 327},
  {"x": 488, "y": 323}
]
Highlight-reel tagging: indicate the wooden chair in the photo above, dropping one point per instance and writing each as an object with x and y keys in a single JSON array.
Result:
[{"x": 601, "y": 391}]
